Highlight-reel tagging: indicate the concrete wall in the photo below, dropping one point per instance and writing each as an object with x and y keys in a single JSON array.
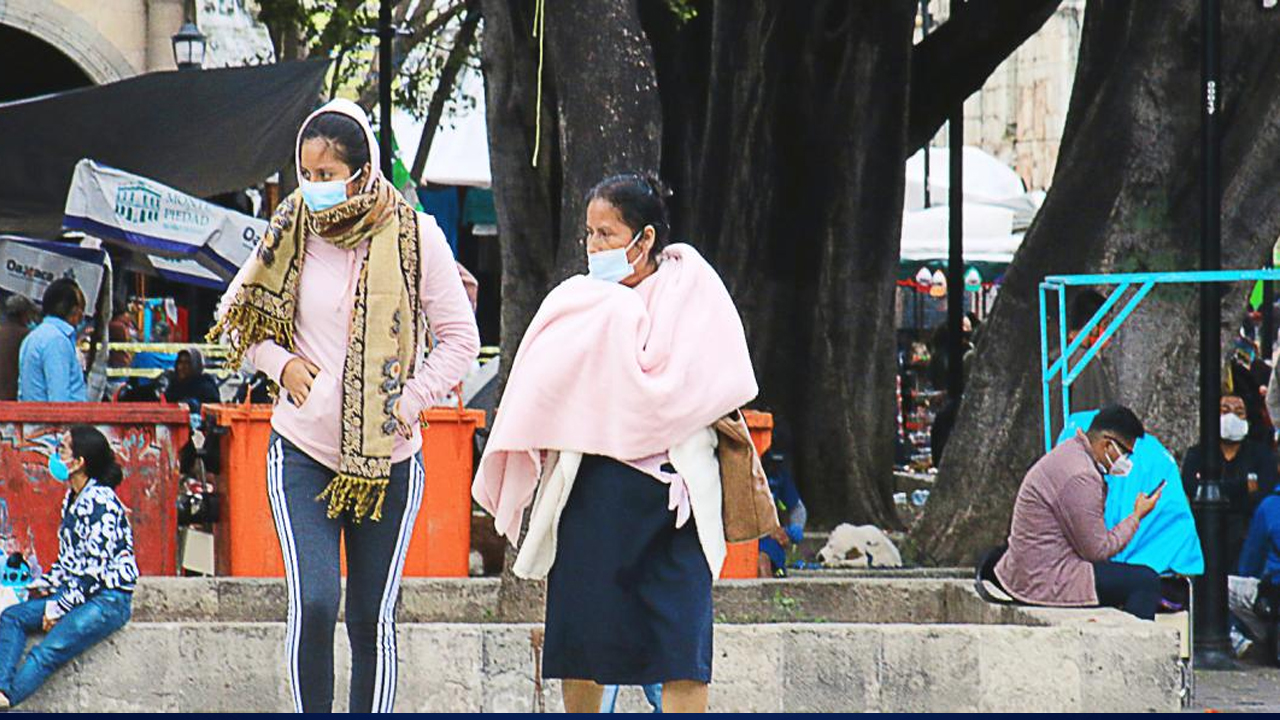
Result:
[
  {"x": 1123, "y": 667},
  {"x": 109, "y": 39},
  {"x": 80, "y": 37},
  {"x": 141, "y": 29}
]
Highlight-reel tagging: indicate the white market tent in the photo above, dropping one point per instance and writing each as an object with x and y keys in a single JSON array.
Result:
[
  {"x": 997, "y": 208},
  {"x": 460, "y": 151},
  {"x": 988, "y": 234},
  {"x": 986, "y": 179}
]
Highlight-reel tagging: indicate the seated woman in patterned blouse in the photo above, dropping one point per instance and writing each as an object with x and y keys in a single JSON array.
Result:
[{"x": 88, "y": 593}]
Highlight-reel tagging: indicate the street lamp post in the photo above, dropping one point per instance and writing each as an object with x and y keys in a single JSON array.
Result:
[
  {"x": 955, "y": 255},
  {"x": 386, "y": 35},
  {"x": 1267, "y": 330},
  {"x": 188, "y": 47},
  {"x": 1212, "y": 642},
  {"x": 955, "y": 245},
  {"x": 926, "y": 24}
]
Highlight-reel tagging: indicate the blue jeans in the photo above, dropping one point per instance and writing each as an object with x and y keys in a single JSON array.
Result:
[{"x": 77, "y": 631}]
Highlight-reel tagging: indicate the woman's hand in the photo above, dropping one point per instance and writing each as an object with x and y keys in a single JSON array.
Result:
[
  {"x": 404, "y": 427},
  {"x": 298, "y": 376},
  {"x": 48, "y": 622}
]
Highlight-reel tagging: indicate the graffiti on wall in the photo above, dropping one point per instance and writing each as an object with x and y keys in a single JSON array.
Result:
[{"x": 31, "y": 500}]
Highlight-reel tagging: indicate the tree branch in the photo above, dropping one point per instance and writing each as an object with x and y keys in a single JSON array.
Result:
[
  {"x": 954, "y": 61},
  {"x": 341, "y": 35},
  {"x": 369, "y": 88},
  {"x": 444, "y": 88}
]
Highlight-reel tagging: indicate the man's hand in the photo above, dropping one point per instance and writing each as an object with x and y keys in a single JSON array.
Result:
[
  {"x": 298, "y": 376},
  {"x": 780, "y": 535},
  {"x": 1146, "y": 503}
]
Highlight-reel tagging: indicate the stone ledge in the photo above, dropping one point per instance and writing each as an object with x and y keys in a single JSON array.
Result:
[
  {"x": 445, "y": 667},
  {"x": 808, "y": 599}
]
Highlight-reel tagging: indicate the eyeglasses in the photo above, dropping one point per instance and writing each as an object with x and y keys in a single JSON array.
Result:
[{"x": 1127, "y": 450}]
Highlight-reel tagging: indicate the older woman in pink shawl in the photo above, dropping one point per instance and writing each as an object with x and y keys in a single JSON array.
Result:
[{"x": 605, "y": 428}]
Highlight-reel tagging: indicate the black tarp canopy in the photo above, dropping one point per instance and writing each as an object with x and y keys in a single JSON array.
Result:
[{"x": 204, "y": 132}]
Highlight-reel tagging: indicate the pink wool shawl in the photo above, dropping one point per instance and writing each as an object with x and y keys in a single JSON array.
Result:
[{"x": 609, "y": 370}]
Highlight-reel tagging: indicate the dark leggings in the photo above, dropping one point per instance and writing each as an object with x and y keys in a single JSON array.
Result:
[
  {"x": 1132, "y": 588},
  {"x": 310, "y": 540}
]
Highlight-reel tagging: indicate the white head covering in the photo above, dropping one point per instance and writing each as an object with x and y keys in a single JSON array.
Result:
[{"x": 355, "y": 112}]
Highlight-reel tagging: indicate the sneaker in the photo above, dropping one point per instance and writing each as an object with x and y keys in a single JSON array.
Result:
[{"x": 1240, "y": 644}]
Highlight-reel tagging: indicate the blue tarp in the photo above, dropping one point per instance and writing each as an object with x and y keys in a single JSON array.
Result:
[
  {"x": 443, "y": 206},
  {"x": 1166, "y": 540}
]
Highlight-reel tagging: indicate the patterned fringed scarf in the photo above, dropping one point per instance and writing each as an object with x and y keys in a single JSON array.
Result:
[{"x": 385, "y": 325}]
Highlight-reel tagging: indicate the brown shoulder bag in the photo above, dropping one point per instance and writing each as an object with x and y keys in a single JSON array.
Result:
[{"x": 748, "y": 507}]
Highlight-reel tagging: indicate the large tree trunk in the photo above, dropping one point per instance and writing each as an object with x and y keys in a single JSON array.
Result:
[
  {"x": 787, "y": 162},
  {"x": 593, "y": 124},
  {"x": 1124, "y": 198},
  {"x": 600, "y": 115}
]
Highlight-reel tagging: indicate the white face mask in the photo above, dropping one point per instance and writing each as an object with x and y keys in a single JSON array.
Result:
[
  {"x": 1232, "y": 427},
  {"x": 1121, "y": 466},
  {"x": 612, "y": 265}
]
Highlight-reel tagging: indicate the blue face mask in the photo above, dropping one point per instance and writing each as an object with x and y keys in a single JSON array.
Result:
[
  {"x": 324, "y": 195},
  {"x": 58, "y": 469},
  {"x": 612, "y": 265}
]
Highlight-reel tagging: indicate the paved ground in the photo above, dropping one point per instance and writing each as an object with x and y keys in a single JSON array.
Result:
[{"x": 1251, "y": 689}]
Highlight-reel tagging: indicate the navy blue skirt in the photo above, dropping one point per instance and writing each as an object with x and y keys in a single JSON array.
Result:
[{"x": 629, "y": 595}]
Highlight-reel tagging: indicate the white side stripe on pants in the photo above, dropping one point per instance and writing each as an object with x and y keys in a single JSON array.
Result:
[
  {"x": 280, "y": 513},
  {"x": 385, "y": 676}
]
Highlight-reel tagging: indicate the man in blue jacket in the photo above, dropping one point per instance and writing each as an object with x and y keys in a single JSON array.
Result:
[
  {"x": 49, "y": 368},
  {"x": 1259, "y": 573}
]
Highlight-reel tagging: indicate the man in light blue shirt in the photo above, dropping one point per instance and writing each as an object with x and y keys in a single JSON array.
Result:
[{"x": 49, "y": 368}]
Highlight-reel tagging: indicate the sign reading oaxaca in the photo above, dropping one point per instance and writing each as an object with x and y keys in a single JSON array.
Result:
[
  {"x": 153, "y": 218},
  {"x": 27, "y": 266}
]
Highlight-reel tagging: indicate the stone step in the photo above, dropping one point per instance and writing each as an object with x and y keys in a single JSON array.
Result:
[
  {"x": 827, "y": 596},
  {"x": 1103, "y": 664}
]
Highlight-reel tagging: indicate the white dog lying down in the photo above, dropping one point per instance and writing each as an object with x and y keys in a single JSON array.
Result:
[{"x": 853, "y": 546}]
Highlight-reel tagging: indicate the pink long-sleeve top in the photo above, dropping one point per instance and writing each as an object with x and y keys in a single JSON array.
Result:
[
  {"x": 326, "y": 296},
  {"x": 1059, "y": 530}
]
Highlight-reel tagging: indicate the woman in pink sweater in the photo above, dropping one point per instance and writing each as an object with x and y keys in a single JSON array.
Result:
[
  {"x": 606, "y": 428},
  {"x": 331, "y": 307}
]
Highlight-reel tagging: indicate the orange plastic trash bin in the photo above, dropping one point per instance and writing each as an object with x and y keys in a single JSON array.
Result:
[
  {"x": 245, "y": 537},
  {"x": 441, "y": 541},
  {"x": 742, "y": 561}
]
